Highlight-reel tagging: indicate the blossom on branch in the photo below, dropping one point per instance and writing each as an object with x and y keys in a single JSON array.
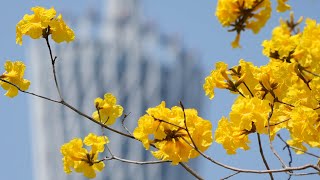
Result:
[
  {"x": 80, "y": 159},
  {"x": 42, "y": 24},
  {"x": 243, "y": 14},
  {"x": 14, "y": 74},
  {"x": 107, "y": 109},
  {"x": 168, "y": 131}
]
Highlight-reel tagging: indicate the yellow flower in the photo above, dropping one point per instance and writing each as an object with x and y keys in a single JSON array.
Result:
[
  {"x": 231, "y": 136},
  {"x": 307, "y": 52},
  {"x": 108, "y": 110},
  {"x": 14, "y": 74},
  {"x": 243, "y": 14},
  {"x": 304, "y": 127},
  {"x": 165, "y": 129},
  {"x": 282, "y": 6},
  {"x": 282, "y": 44},
  {"x": 216, "y": 79},
  {"x": 244, "y": 73},
  {"x": 42, "y": 23},
  {"x": 60, "y": 31},
  {"x": 250, "y": 114},
  {"x": 82, "y": 161}
]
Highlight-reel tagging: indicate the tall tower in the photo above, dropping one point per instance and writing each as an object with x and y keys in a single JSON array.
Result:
[{"x": 129, "y": 58}]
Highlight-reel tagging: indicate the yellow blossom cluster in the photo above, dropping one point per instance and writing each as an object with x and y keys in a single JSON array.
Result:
[
  {"x": 107, "y": 109},
  {"x": 283, "y": 94},
  {"x": 14, "y": 72},
  {"x": 246, "y": 14},
  {"x": 232, "y": 79},
  {"x": 43, "y": 23},
  {"x": 80, "y": 159},
  {"x": 40, "y": 24},
  {"x": 248, "y": 115},
  {"x": 230, "y": 136},
  {"x": 167, "y": 130}
]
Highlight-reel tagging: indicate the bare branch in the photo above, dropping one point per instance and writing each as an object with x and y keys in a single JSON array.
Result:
[
  {"x": 270, "y": 141},
  {"x": 230, "y": 176},
  {"x": 131, "y": 161},
  {"x": 122, "y": 123},
  {"x": 53, "y": 60},
  {"x": 185, "y": 123},
  {"x": 298, "y": 149},
  {"x": 262, "y": 156},
  {"x": 30, "y": 93},
  {"x": 191, "y": 171}
]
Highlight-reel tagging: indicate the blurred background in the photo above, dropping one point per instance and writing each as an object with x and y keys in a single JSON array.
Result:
[{"x": 143, "y": 52}]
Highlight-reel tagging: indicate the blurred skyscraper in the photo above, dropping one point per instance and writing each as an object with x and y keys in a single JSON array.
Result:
[{"x": 113, "y": 52}]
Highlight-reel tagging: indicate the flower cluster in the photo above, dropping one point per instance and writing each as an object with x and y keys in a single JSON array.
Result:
[
  {"x": 283, "y": 94},
  {"x": 107, "y": 109},
  {"x": 248, "y": 115},
  {"x": 43, "y": 23},
  {"x": 246, "y": 14},
  {"x": 168, "y": 131},
  {"x": 14, "y": 74},
  {"x": 80, "y": 159}
]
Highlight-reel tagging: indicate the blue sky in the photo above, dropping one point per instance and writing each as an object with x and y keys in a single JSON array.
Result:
[{"x": 198, "y": 28}]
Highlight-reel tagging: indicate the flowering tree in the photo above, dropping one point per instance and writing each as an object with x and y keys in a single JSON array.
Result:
[{"x": 282, "y": 94}]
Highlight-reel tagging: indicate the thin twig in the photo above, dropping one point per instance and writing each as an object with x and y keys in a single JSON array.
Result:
[
  {"x": 93, "y": 120},
  {"x": 186, "y": 167},
  {"x": 263, "y": 157},
  {"x": 279, "y": 122},
  {"x": 298, "y": 149},
  {"x": 311, "y": 72},
  {"x": 53, "y": 60},
  {"x": 185, "y": 123},
  {"x": 281, "y": 102},
  {"x": 131, "y": 161},
  {"x": 30, "y": 93},
  {"x": 230, "y": 176},
  {"x": 304, "y": 174},
  {"x": 290, "y": 157},
  {"x": 270, "y": 141},
  {"x": 245, "y": 84},
  {"x": 122, "y": 123},
  {"x": 102, "y": 130},
  {"x": 109, "y": 150},
  {"x": 160, "y": 120}
]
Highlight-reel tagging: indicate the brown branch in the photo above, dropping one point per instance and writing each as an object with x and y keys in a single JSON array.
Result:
[
  {"x": 278, "y": 122},
  {"x": 131, "y": 161},
  {"x": 248, "y": 89},
  {"x": 230, "y": 176},
  {"x": 30, "y": 93},
  {"x": 263, "y": 157},
  {"x": 185, "y": 123},
  {"x": 187, "y": 168},
  {"x": 53, "y": 66},
  {"x": 122, "y": 123},
  {"x": 270, "y": 141},
  {"x": 311, "y": 72},
  {"x": 160, "y": 120},
  {"x": 93, "y": 120}
]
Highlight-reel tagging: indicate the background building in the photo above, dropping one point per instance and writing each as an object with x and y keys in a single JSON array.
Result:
[{"x": 115, "y": 51}]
